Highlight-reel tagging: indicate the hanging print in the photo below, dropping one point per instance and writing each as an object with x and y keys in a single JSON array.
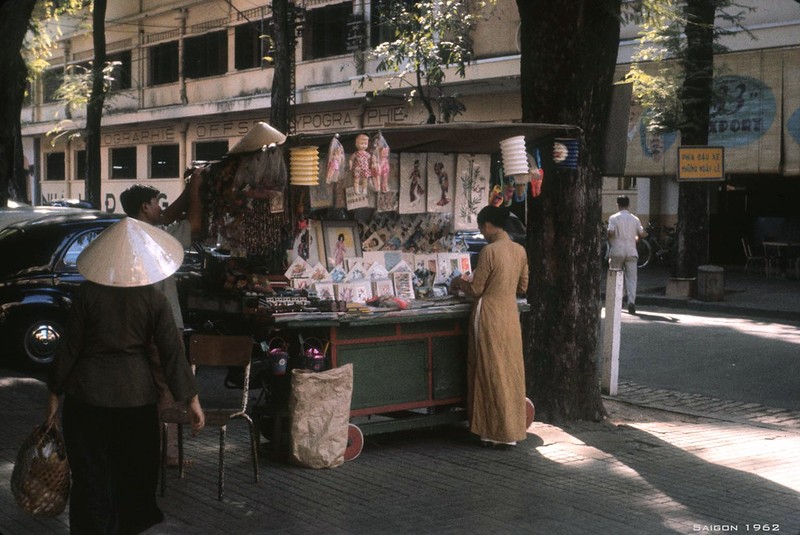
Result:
[
  {"x": 413, "y": 183},
  {"x": 441, "y": 174},
  {"x": 471, "y": 189}
]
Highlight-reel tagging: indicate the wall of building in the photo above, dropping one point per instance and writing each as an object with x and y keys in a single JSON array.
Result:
[{"x": 762, "y": 137}]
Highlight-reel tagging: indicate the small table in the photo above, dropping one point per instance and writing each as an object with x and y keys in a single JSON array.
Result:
[{"x": 779, "y": 251}]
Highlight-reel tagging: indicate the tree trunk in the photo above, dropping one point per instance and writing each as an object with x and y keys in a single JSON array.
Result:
[
  {"x": 692, "y": 236},
  {"x": 94, "y": 109},
  {"x": 14, "y": 19},
  {"x": 568, "y": 56},
  {"x": 283, "y": 40}
]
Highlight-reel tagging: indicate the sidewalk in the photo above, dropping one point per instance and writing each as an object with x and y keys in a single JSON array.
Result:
[
  {"x": 748, "y": 294},
  {"x": 664, "y": 462}
]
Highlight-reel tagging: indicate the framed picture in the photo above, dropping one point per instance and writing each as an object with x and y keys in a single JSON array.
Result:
[{"x": 341, "y": 241}]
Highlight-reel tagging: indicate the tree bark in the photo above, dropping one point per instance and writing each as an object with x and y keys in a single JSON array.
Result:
[
  {"x": 14, "y": 20},
  {"x": 94, "y": 109},
  {"x": 283, "y": 40},
  {"x": 692, "y": 236},
  {"x": 568, "y": 56}
]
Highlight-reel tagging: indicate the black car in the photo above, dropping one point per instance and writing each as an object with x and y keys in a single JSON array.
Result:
[{"x": 38, "y": 276}]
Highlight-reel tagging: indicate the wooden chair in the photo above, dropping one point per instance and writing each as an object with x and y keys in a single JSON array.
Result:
[
  {"x": 752, "y": 259},
  {"x": 218, "y": 352}
]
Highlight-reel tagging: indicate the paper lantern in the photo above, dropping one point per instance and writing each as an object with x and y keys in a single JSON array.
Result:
[
  {"x": 304, "y": 166},
  {"x": 515, "y": 158}
]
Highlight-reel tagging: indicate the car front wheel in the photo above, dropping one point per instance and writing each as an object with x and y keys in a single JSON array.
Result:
[{"x": 40, "y": 339}]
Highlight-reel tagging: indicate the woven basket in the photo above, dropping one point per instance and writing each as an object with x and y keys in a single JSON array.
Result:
[{"x": 40, "y": 480}]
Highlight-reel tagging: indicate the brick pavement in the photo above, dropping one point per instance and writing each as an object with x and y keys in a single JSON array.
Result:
[{"x": 664, "y": 462}]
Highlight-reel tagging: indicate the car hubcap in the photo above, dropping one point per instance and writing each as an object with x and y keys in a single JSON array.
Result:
[{"x": 41, "y": 342}]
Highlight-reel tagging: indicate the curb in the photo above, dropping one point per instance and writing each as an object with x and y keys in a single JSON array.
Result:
[{"x": 718, "y": 307}]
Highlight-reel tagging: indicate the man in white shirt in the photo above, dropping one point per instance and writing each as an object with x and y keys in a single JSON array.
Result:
[
  {"x": 624, "y": 230},
  {"x": 182, "y": 220}
]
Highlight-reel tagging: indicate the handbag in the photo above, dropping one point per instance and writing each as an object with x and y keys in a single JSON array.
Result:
[{"x": 40, "y": 481}]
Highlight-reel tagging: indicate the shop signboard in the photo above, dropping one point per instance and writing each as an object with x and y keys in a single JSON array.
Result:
[{"x": 701, "y": 163}]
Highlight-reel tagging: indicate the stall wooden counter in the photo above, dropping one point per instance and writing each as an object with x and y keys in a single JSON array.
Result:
[{"x": 409, "y": 366}]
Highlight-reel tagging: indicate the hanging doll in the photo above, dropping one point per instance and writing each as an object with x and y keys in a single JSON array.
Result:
[
  {"x": 360, "y": 164},
  {"x": 380, "y": 163},
  {"x": 335, "y": 161}
]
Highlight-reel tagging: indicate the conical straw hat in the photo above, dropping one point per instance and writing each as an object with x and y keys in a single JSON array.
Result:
[
  {"x": 130, "y": 253},
  {"x": 257, "y": 138}
]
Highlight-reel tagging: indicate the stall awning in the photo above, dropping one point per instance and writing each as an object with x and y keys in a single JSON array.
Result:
[{"x": 470, "y": 138}]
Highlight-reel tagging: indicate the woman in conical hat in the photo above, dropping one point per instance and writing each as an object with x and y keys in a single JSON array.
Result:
[{"x": 110, "y": 420}]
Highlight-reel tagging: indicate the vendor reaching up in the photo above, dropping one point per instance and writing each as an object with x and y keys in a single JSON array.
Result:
[{"x": 182, "y": 220}]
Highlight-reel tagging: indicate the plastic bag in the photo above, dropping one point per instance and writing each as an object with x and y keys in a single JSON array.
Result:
[
  {"x": 40, "y": 481},
  {"x": 379, "y": 162},
  {"x": 319, "y": 406},
  {"x": 335, "y": 166}
]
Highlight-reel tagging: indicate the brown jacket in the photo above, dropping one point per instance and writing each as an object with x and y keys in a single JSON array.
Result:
[{"x": 103, "y": 359}]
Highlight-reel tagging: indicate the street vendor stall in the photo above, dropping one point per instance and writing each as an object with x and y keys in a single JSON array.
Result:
[{"x": 341, "y": 247}]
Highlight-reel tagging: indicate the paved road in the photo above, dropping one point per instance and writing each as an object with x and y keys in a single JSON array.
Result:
[{"x": 717, "y": 355}]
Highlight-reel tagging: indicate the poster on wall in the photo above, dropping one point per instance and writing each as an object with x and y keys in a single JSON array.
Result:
[
  {"x": 413, "y": 182},
  {"x": 441, "y": 170},
  {"x": 471, "y": 189}
]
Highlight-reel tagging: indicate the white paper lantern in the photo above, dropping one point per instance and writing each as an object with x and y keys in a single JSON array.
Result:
[
  {"x": 304, "y": 166},
  {"x": 515, "y": 158}
]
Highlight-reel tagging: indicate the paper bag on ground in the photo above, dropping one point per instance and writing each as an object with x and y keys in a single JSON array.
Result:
[{"x": 319, "y": 406}]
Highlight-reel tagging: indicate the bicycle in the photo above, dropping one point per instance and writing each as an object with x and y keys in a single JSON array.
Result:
[
  {"x": 647, "y": 246},
  {"x": 651, "y": 247}
]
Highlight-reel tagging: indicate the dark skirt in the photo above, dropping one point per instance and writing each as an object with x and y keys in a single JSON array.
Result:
[{"x": 114, "y": 458}]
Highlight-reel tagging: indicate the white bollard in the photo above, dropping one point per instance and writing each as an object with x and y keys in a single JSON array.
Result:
[{"x": 611, "y": 330}]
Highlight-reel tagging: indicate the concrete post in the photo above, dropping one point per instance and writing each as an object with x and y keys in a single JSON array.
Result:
[{"x": 611, "y": 330}]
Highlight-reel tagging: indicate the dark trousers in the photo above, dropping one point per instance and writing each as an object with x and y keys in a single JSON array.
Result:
[{"x": 114, "y": 458}]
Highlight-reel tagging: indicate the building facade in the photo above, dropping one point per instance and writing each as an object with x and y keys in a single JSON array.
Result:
[{"x": 194, "y": 75}]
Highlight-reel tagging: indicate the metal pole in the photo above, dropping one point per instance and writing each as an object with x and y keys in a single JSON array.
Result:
[{"x": 611, "y": 330}]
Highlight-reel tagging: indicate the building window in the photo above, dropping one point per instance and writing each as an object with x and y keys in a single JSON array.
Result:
[
  {"x": 164, "y": 63},
  {"x": 123, "y": 162},
  {"x": 252, "y": 44},
  {"x": 55, "y": 167},
  {"x": 326, "y": 31},
  {"x": 205, "y": 55},
  {"x": 51, "y": 81},
  {"x": 121, "y": 74},
  {"x": 164, "y": 161},
  {"x": 380, "y": 30},
  {"x": 209, "y": 151},
  {"x": 80, "y": 165}
]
